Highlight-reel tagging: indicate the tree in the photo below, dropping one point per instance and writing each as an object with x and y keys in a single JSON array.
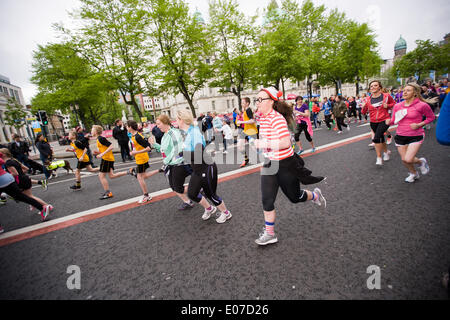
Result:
[
  {"x": 279, "y": 57},
  {"x": 427, "y": 56},
  {"x": 65, "y": 79},
  {"x": 113, "y": 39},
  {"x": 183, "y": 49},
  {"x": 234, "y": 37},
  {"x": 15, "y": 114}
]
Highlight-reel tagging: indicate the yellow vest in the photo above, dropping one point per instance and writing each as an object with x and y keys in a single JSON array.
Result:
[
  {"x": 108, "y": 156},
  {"x": 140, "y": 158},
  {"x": 250, "y": 129},
  {"x": 79, "y": 152}
]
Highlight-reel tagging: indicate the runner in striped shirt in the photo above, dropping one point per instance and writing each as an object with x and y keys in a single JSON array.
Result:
[{"x": 281, "y": 166}]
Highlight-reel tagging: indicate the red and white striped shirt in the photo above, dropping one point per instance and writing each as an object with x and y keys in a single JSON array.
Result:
[{"x": 273, "y": 127}]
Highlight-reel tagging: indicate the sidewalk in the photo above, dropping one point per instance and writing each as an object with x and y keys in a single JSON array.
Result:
[{"x": 59, "y": 152}]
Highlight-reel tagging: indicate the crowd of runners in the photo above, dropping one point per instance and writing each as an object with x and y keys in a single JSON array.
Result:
[{"x": 273, "y": 130}]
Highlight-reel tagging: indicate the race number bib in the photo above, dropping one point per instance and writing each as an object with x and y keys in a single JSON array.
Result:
[{"x": 399, "y": 115}]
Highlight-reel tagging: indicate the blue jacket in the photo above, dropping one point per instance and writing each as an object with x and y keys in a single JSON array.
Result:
[
  {"x": 443, "y": 124},
  {"x": 326, "y": 108}
]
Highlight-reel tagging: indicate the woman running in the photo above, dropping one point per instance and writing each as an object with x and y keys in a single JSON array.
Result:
[
  {"x": 280, "y": 168},
  {"x": 9, "y": 186},
  {"x": 16, "y": 169},
  {"x": 174, "y": 167},
  {"x": 378, "y": 105},
  {"x": 204, "y": 175},
  {"x": 302, "y": 115},
  {"x": 410, "y": 133},
  {"x": 105, "y": 153},
  {"x": 141, "y": 147},
  {"x": 80, "y": 151}
]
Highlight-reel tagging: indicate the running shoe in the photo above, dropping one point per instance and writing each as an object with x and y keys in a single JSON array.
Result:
[
  {"x": 412, "y": 177},
  {"x": 223, "y": 217},
  {"x": 1, "y": 229},
  {"x": 389, "y": 141},
  {"x": 300, "y": 152},
  {"x": 225, "y": 152},
  {"x": 348, "y": 127},
  {"x": 45, "y": 211},
  {"x": 145, "y": 199},
  {"x": 379, "y": 162},
  {"x": 313, "y": 150},
  {"x": 132, "y": 172},
  {"x": 75, "y": 188},
  {"x": 208, "y": 213},
  {"x": 321, "y": 199},
  {"x": 424, "y": 167},
  {"x": 106, "y": 195},
  {"x": 386, "y": 156},
  {"x": 244, "y": 163},
  {"x": 44, "y": 184},
  {"x": 339, "y": 132},
  {"x": 186, "y": 206},
  {"x": 2, "y": 200},
  {"x": 372, "y": 145},
  {"x": 265, "y": 239}
]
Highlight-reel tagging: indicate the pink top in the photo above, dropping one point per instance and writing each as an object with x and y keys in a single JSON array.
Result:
[{"x": 405, "y": 116}]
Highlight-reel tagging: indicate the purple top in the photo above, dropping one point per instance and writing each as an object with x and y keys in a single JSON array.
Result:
[{"x": 301, "y": 109}]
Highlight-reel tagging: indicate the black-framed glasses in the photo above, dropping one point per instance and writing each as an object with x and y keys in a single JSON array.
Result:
[{"x": 260, "y": 100}]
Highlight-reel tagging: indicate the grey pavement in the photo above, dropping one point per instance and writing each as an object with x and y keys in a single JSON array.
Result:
[{"x": 156, "y": 252}]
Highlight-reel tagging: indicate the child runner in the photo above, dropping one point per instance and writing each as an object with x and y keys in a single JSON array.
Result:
[
  {"x": 141, "y": 147},
  {"x": 410, "y": 134},
  {"x": 83, "y": 159},
  {"x": 105, "y": 153},
  {"x": 280, "y": 166},
  {"x": 228, "y": 139}
]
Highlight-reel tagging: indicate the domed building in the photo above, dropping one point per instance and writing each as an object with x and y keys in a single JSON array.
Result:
[{"x": 400, "y": 48}]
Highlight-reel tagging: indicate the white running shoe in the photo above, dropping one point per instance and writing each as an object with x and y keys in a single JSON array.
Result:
[
  {"x": 412, "y": 177},
  {"x": 208, "y": 213},
  {"x": 372, "y": 145},
  {"x": 223, "y": 217},
  {"x": 145, "y": 199},
  {"x": 386, "y": 156},
  {"x": 320, "y": 199},
  {"x": 348, "y": 127},
  {"x": 379, "y": 162},
  {"x": 424, "y": 167}
]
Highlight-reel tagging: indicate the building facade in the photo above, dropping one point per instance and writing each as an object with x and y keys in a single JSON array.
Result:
[{"x": 7, "y": 91}]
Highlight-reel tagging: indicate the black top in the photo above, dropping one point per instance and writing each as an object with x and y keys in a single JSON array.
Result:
[
  {"x": 44, "y": 149},
  {"x": 120, "y": 134},
  {"x": 15, "y": 164}
]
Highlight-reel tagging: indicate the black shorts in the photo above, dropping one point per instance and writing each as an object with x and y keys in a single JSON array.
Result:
[
  {"x": 405, "y": 140},
  {"x": 303, "y": 126},
  {"x": 82, "y": 165},
  {"x": 24, "y": 182},
  {"x": 141, "y": 168},
  {"x": 106, "y": 166},
  {"x": 379, "y": 128},
  {"x": 177, "y": 176}
]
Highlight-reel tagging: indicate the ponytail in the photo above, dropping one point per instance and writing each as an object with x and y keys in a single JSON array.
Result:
[{"x": 285, "y": 110}]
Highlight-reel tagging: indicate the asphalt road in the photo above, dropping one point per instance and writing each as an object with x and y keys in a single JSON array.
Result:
[{"x": 156, "y": 252}]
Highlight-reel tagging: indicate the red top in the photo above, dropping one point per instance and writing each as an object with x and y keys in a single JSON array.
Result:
[{"x": 379, "y": 114}]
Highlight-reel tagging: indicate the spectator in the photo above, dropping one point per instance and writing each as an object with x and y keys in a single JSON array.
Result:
[
  {"x": 19, "y": 149},
  {"x": 45, "y": 153},
  {"x": 217, "y": 125},
  {"x": 158, "y": 134},
  {"x": 209, "y": 127},
  {"x": 120, "y": 133}
]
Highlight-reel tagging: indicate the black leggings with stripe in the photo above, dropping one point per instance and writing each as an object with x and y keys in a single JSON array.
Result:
[
  {"x": 205, "y": 179},
  {"x": 284, "y": 178}
]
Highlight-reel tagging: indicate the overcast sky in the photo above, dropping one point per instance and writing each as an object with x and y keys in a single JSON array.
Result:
[{"x": 27, "y": 23}]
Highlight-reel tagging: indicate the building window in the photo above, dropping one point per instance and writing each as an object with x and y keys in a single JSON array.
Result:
[
  {"x": 213, "y": 105},
  {"x": 232, "y": 103}
]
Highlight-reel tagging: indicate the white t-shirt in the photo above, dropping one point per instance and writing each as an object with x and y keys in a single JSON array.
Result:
[{"x": 228, "y": 134}]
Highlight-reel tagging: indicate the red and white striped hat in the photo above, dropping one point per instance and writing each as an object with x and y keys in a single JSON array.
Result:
[{"x": 273, "y": 93}]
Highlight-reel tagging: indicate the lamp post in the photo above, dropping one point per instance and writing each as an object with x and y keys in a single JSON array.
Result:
[{"x": 75, "y": 110}]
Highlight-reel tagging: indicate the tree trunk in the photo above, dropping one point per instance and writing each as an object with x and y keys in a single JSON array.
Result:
[
  {"x": 357, "y": 88},
  {"x": 337, "y": 87},
  {"x": 282, "y": 86}
]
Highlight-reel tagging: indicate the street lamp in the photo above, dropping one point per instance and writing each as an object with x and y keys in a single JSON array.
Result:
[{"x": 75, "y": 110}]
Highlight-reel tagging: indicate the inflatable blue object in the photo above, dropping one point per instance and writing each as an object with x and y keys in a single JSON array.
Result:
[{"x": 443, "y": 124}]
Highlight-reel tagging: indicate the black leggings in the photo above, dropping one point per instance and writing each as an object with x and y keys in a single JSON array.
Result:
[
  {"x": 302, "y": 127},
  {"x": 340, "y": 123},
  {"x": 206, "y": 179},
  {"x": 14, "y": 191},
  {"x": 284, "y": 178},
  {"x": 379, "y": 128}
]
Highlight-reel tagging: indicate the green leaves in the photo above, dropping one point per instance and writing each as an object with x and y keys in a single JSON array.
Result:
[{"x": 15, "y": 114}]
